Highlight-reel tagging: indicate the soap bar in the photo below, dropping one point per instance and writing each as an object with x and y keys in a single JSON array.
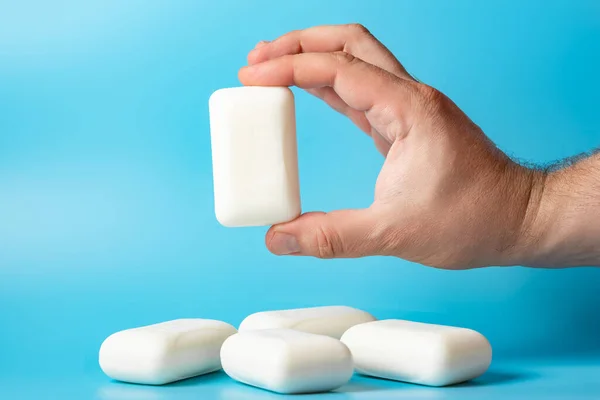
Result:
[
  {"x": 331, "y": 321},
  {"x": 287, "y": 361},
  {"x": 255, "y": 161},
  {"x": 415, "y": 352},
  {"x": 166, "y": 352}
]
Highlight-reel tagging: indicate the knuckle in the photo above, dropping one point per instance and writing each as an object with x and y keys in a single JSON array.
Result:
[
  {"x": 325, "y": 243},
  {"x": 294, "y": 37},
  {"x": 359, "y": 29},
  {"x": 356, "y": 36},
  {"x": 431, "y": 95},
  {"x": 394, "y": 242},
  {"x": 432, "y": 100},
  {"x": 383, "y": 232},
  {"x": 342, "y": 57}
]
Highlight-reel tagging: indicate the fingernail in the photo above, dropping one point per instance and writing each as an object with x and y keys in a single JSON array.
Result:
[{"x": 284, "y": 243}]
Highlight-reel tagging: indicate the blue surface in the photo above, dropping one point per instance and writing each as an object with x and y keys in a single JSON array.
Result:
[
  {"x": 106, "y": 209},
  {"x": 523, "y": 380}
]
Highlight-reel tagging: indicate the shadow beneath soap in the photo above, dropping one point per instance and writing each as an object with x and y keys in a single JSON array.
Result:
[
  {"x": 364, "y": 383},
  {"x": 496, "y": 378},
  {"x": 491, "y": 378},
  {"x": 370, "y": 388},
  {"x": 198, "y": 380},
  {"x": 117, "y": 390},
  {"x": 240, "y": 391},
  {"x": 123, "y": 391}
]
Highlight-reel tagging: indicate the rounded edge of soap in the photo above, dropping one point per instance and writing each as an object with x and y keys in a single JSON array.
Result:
[
  {"x": 285, "y": 90},
  {"x": 437, "y": 378},
  {"x": 152, "y": 375},
  {"x": 285, "y": 381}
]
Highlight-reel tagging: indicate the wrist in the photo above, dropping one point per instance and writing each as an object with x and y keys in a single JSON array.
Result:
[
  {"x": 528, "y": 187},
  {"x": 529, "y": 237},
  {"x": 561, "y": 225}
]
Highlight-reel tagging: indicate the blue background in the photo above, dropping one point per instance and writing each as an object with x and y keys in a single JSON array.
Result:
[{"x": 106, "y": 208}]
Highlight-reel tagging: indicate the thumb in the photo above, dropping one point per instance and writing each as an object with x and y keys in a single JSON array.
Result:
[{"x": 338, "y": 234}]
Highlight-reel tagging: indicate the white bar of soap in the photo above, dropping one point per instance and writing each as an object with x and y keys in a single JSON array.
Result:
[
  {"x": 255, "y": 161},
  {"x": 331, "y": 321},
  {"x": 415, "y": 352},
  {"x": 166, "y": 352},
  {"x": 287, "y": 361}
]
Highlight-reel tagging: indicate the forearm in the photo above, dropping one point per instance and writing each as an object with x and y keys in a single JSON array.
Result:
[{"x": 562, "y": 227}]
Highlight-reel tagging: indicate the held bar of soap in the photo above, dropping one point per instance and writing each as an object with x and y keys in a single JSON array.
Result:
[
  {"x": 166, "y": 352},
  {"x": 415, "y": 352},
  {"x": 287, "y": 361},
  {"x": 255, "y": 161},
  {"x": 331, "y": 321}
]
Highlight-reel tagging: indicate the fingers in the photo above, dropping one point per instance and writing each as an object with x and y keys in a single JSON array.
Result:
[
  {"x": 339, "y": 234},
  {"x": 360, "y": 85},
  {"x": 345, "y": 41},
  {"x": 353, "y": 39}
]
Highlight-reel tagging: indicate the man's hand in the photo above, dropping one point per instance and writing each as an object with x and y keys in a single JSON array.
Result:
[{"x": 446, "y": 196}]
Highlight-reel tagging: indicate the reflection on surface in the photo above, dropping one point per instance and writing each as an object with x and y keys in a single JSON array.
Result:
[
  {"x": 192, "y": 388},
  {"x": 118, "y": 391},
  {"x": 359, "y": 387},
  {"x": 217, "y": 386},
  {"x": 362, "y": 387},
  {"x": 498, "y": 378},
  {"x": 350, "y": 391},
  {"x": 241, "y": 392}
]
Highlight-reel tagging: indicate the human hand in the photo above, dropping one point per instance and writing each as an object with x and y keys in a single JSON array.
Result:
[{"x": 445, "y": 197}]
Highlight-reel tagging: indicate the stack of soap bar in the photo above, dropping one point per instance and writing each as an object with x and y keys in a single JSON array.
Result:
[
  {"x": 331, "y": 321},
  {"x": 287, "y": 361},
  {"x": 166, "y": 352},
  {"x": 426, "y": 354},
  {"x": 255, "y": 162}
]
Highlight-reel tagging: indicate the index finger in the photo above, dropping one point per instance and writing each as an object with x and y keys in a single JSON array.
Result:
[
  {"x": 359, "y": 84},
  {"x": 354, "y": 39}
]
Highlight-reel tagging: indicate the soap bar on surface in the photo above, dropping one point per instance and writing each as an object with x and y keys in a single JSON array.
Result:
[
  {"x": 287, "y": 361},
  {"x": 255, "y": 160},
  {"x": 329, "y": 320},
  {"x": 415, "y": 352},
  {"x": 166, "y": 352}
]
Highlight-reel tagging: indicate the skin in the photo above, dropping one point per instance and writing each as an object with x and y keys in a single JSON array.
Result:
[{"x": 446, "y": 197}]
